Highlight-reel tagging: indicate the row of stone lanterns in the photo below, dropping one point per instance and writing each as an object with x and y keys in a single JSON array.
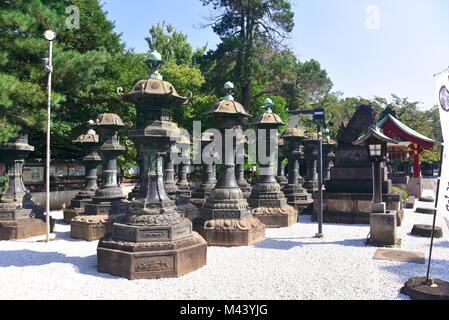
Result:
[{"x": 151, "y": 237}]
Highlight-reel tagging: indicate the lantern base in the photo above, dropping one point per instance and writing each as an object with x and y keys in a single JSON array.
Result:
[
  {"x": 299, "y": 198},
  {"x": 276, "y": 217},
  {"x": 230, "y": 232},
  {"x": 151, "y": 260},
  {"x": 93, "y": 227},
  {"x": 111, "y": 207},
  {"x": 69, "y": 214},
  {"x": 23, "y": 228}
]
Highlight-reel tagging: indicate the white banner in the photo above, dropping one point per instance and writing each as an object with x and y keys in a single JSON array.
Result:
[{"x": 442, "y": 86}]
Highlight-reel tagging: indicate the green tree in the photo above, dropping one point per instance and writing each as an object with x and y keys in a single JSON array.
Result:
[
  {"x": 89, "y": 64},
  {"x": 246, "y": 26},
  {"x": 181, "y": 70},
  {"x": 173, "y": 45}
]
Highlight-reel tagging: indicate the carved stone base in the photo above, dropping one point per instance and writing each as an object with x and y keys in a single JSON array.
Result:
[
  {"x": 79, "y": 202},
  {"x": 230, "y": 232},
  {"x": 199, "y": 196},
  {"x": 197, "y": 202},
  {"x": 246, "y": 194},
  {"x": 106, "y": 207},
  {"x": 13, "y": 213},
  {"x": 282, "y": 180},
  {"x": 276, "y": 217},
  {"x": 22, "y": 229},
  {"x": 151, "y": 260},
  {"x": 188, "y": 211},
  {"x": 299, "y": 198},
  {"x": 93, "y": 227},
  {"x": 69, "y": 214}
]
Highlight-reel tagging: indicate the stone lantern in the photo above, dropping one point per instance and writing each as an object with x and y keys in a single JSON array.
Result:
[
  {"x": 297, "y": 196},
  {"x": 135, "y": 191},
  {"x": 280, "y": 177},
  {"x": 184, "y": 187},
  {"x": 107, "y": 204},
  {"x": 311, "y": 159},
  {"x": 240, "y": 175},
  {"x": 225, "y": 219},
  {"x": 169, "y": 179},
  {"x": 208, "y": 182},
  {"x": 329, "y": 146},
  {"x": 184, "y": 192},
  {"x": 383, "y": 222},
  {"x": 154, "y": 240},
  {"x": 17, "y": 211},
  {"x": 89, "y": 143},
  {"x": 267, "y": 199}
]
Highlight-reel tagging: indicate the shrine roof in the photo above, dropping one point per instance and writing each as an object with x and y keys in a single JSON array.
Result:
[{"x": 388, "y": 123}]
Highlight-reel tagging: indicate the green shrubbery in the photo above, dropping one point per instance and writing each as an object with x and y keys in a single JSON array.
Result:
[{"x": 404, "y": 194}]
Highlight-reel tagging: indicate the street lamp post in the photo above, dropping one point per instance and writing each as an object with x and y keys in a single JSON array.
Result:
[
  {"x": 318, "y": 115},
  {"x": 50, "y": 36}
]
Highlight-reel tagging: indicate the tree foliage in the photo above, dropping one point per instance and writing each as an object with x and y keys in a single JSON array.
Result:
[
  {"x": 89, "y": 64},
  {"x": 246, "y": 27}
]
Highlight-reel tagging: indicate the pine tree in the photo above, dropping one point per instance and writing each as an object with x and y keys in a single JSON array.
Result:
[{"x": 89, "y": 64}]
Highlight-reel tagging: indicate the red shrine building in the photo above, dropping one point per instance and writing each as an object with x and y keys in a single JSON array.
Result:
[{"x": 412, "y": 145}]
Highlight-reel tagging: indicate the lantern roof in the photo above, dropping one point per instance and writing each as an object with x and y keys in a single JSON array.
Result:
[
  {"x": 109, "y": 119},
  {"x": 268, "y": 117},
  {"x": 374, "y": 133},
  {"x": 293, "y": 133},
  {"x": 228, "y": 105},
  {"x": 153, "y": 87}
]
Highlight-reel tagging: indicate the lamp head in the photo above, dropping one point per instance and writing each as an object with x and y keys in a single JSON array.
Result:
[{"x": 50, "y": 35}]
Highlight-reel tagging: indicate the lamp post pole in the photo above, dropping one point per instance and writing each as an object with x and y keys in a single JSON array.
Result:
[
  {"x": 319, "y": 116},
  {"x": 50, "y": 36},
  {"x": 320, "y": 182}
]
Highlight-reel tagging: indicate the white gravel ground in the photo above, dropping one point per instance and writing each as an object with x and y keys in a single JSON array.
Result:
[{"x": 289, "y": 264}]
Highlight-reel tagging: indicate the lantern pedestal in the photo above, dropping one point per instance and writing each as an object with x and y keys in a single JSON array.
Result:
[
  {"x": 231, "y": 232},
  {"x": 22, "y": 229},
  {"x": 151, "y": 260},
  {"x": 383, "y": 230}
]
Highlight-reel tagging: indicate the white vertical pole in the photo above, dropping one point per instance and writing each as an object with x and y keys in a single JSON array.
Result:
[{"x": 47, "y": 185}]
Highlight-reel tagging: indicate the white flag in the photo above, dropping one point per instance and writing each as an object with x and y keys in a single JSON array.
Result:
[{"x": 442, "y": 86}]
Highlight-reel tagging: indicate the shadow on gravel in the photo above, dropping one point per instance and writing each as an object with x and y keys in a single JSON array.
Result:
[
  {"x": 28, "y": 258},
  {"x": 284, "y": 244},
  {"x": 404, "y": 271},
  {"x": 444, "y": 244}
]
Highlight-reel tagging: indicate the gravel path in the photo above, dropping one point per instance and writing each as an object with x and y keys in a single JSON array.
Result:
[{"x": 289, "y": 264}]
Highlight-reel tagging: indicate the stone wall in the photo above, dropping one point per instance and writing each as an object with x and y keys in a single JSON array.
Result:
[{"x": 352, "y": 208}]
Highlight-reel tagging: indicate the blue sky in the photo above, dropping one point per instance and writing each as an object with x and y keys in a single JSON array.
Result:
[{"x": 369, "y": 47}]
